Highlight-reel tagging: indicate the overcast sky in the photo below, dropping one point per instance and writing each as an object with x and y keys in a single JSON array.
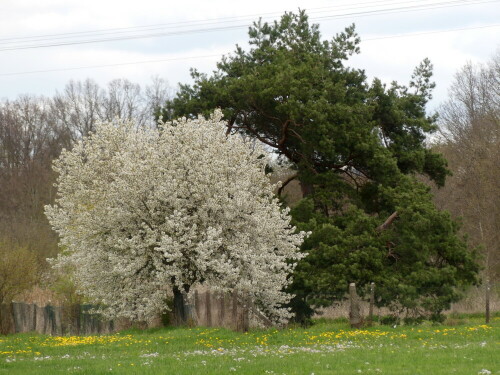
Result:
[{"x": 396, "y": 34}]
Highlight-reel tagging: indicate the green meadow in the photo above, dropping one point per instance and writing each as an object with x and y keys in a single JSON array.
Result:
[{"x": 327, "y": 347}]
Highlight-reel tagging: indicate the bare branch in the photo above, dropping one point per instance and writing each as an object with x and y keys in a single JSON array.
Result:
[{"x": 388, "y": 221}]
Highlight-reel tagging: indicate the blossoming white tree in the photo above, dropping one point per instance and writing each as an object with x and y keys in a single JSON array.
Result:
[{"x": 143, "y": 211}]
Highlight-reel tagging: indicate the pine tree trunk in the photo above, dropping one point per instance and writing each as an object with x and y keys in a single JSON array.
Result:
[{"x": 306, "y": 188}]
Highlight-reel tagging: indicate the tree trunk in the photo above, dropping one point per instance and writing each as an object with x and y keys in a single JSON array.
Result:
[
  {"x": 6, "y": 319},
  {"x": 307, "y": 189},
  {"x": 183, "y": 312}
]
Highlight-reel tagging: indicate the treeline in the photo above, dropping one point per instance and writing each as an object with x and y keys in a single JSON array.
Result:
[
  {"x": 33, "y": 131},
  {"x": 470, "y": 141}
]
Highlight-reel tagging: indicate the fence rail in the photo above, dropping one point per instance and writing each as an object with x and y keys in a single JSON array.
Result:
[
  {"x": 211, "y": 309},
  {"x": 214, "y": 309}
]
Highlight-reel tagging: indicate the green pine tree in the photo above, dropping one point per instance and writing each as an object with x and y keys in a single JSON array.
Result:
[{"x": 357, "y": 148}]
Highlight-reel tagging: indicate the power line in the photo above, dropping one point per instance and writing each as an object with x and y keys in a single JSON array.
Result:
[
  {"x": 221, "y": 28},
  {"x": 218, "y": 55},
  {"x": 208, "y": 21},
  {"x": 111, "y": 65},
  {"x": 408, "y": 9},
  {"x": 419, "y": 7},
  {"x": 429, "y": 32}
]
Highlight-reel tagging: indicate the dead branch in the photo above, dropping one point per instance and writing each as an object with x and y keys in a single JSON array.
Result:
[{"x": 388, "y": 221}]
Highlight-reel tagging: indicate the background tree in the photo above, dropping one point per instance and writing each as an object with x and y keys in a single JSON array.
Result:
[
  {"x": 82, "y": 105},
  {"x": 34, "y": 130},
  {"x": 18, "y": 272},
  {"x": 356, "y": 148},
  {"x": 138, "y": 218},
  {"x": 470, "y": 140},
  {"x": 29, "y": 140}
]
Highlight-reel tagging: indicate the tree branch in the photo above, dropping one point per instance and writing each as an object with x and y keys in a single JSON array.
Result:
[
  {"x": 259, "y": 137},
  {"x": 298, "y": 136},
  {"x": 286, "y": 182},
  {"x": 284, "y": 131},
  {"x": 230, "y": 125},
  {"x": 347, "y": 173},
  {"x": 388, "y": 221}
]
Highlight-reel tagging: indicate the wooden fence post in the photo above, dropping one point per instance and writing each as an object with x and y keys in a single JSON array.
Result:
[
  {"x": 235, "y": 310},
  {"x": 53, "y": 320},
  {"x": 222, "y": 307},
  {"x": 487, "y": 301},
  {"x": 372, "y": 302},
  {"x": 197, "y": 306},
  {"x": 355, "y": 310},
  {"x": 245, "y": 313},
  {"x": 208, "y": 308}
]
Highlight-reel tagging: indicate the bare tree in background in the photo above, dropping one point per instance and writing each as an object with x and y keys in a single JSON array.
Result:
[
  {"x": 157, "y": 93},
  {"x": 29, "y": 140},
  {"x": 34, "y": 130},
  {"x": 79, "y": 107},
  {"x": 123, "y": 99},
  {"x": 470, "y": 128},
  {"x": 82, "y": 104},
  {"x": 128, "y": 100}
]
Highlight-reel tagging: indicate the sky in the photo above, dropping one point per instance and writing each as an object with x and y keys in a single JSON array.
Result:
[{"x": 44, "y": 44}]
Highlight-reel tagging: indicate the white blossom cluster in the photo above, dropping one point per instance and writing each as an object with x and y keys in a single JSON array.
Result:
[{"x": 140, "y": 211}]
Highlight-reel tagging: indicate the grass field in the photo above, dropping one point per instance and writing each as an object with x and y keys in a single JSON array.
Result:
[{"x": 467, "y": 347}]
